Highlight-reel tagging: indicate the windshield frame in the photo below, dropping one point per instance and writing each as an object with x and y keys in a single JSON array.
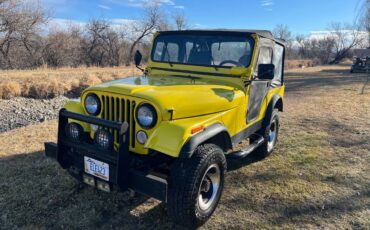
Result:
[{"x": 247, "y": 37}]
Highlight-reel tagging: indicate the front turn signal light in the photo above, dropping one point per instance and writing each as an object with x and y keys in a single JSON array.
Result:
[{"x": 197, "y": 129}]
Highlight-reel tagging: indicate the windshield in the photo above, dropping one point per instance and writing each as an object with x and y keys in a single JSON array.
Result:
[{"x": 210, "y": 50}]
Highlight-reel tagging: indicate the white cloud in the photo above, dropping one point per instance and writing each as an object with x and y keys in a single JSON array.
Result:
[
  {"x": 142, "y": 3},
  {"x": 199, "y": 26},
  {"x": 122, "y": 21},
  {"x": 65, "y": 24},
  {"x": 62, "y": 23},
  {"x": 267, "y": 4},
  {"x": 54, "y": 3},
  {"x": 104, "y": 7},
  {"x": 179, "y": 7},
  {"x": 323, "y": 34},
  {"x": 347, "y": 34},
  {"x": 168, "y": 2}
]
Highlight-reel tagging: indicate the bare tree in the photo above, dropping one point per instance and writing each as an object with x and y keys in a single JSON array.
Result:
[
  {"x": 152, "y": 21},
  {"x": 282, "y": 32},
  {"x": 23, "y": 43},
  {"x": 320, "y": 50},
  {"x": 93, "y": 43},
  {"x": 346, "y": 37},
  {"x": 181, "y": 22},
  {"x": 324, "y": 50},
  {"x": 362, "y": 18},
  {"x": 367, "y": 23},
  {"x": 366, "y": 19},
  {"x": 63, "y": 47},
  {"x": 19, "y": 24},
  {"x": 300, "y": 39}
]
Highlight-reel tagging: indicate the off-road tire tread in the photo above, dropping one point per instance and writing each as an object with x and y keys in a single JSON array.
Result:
[{"x": 183, "y": 184}]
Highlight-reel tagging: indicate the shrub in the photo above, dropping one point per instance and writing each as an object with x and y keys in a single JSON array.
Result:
[
  {"x": 10, "y": 89},
  {"x": 90, "y": 80},
  {"x": 105, "y": 78},
  {"x": 49, "y": 89}
]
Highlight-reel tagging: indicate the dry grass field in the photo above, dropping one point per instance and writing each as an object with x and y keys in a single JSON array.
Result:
[
  {"x": 46, "y": 83},
  {"x": 49, "y": 83},
  {"x": 318, "y": 177}
]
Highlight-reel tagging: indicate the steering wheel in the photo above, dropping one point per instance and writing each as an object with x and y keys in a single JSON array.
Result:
[{"x": 230, "y": 62}]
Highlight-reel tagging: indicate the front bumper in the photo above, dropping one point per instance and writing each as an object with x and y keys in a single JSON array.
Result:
[{"x": 70, "y": 156}]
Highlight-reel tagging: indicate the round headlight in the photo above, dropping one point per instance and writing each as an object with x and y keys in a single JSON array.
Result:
[
  {"x": 146, "y": 116},
  {"x": 141, "y": 137},
  {"x": 74, "y": 131},
  {"x": 104, "y": 139},
  {"x": 92, "y": 104}
]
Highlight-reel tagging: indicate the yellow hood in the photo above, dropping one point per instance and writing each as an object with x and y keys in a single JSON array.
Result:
[{"x": 186, "y": 96}]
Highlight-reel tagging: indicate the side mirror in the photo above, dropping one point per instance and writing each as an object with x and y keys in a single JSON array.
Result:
[
  {"x": 266, "y": 71},
  {"x": 137, "y": 58}
]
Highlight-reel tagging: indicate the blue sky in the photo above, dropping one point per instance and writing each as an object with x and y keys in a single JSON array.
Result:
[{"x": 301, "y": 16}]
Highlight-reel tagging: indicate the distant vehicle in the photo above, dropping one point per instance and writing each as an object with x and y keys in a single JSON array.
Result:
[
  {"x": 361, "y": 65},
  {"x": 167, "y": 134}
]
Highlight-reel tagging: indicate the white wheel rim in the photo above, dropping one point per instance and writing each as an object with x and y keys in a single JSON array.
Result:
[
  {"x": 271, "y": 137},
  {"x": 209, "y": 187}
]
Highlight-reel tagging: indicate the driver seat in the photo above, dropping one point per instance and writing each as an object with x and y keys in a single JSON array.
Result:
[
  {"x": 200, "y": 57},
  {"x": 245, "y": 60}
]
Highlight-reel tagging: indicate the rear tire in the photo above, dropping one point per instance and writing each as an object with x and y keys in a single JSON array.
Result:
[
  {"x": 270, "y": 132},
  {"x": 195, "y": 186}
]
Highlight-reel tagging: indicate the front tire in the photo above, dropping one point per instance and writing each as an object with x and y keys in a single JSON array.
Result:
[{"x": 196, "y": 185}]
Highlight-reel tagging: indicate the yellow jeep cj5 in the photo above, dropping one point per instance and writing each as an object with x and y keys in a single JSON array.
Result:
[{"x": 168, "y": 133}]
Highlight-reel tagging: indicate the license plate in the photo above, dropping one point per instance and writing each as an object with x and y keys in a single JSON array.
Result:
[{"x": 96, "y": 168}]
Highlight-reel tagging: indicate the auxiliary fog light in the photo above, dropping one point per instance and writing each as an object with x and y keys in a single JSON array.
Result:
[
  {"x": 104, "y": 139},
  {"x": 141, "y": 137},
  {"x": 103, "y": 186},
  {"x": 74, "y": 131},
  {"x": 88, "y": 180}
]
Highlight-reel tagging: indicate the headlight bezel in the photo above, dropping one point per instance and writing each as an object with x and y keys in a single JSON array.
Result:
[
  {"x": 154, "y": 112},
  {"x": 97, "y": 99}
]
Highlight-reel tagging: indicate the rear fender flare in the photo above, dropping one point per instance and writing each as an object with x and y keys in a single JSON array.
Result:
[{"x": 276, "y": 102}]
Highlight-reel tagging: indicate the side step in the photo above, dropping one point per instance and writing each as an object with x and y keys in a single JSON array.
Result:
[{"x": 245, "y": 152}]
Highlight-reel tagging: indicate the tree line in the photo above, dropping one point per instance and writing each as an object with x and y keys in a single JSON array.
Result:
[
  {"x": 25, "y": 44},
  {"x": 335, "y": 44},
  {"x": 329, "y": 47}
]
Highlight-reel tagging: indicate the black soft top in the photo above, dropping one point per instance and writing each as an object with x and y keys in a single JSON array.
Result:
[{"x": 262, "y": 33}]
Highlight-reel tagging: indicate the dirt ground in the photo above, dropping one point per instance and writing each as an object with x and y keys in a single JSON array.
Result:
[{"x": 318, "y": 177}]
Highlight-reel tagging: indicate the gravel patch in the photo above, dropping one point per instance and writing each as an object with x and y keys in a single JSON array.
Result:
[{"x": 18, "y": 112}]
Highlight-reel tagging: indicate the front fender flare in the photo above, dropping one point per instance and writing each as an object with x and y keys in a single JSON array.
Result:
[
  {"x": 207, "y": 134},
  {"x": 76, "y": 107}
]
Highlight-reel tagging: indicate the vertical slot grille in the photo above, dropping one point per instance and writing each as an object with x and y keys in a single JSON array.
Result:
[
  {"x": 120, "y": 110},
  {"x": 133, "y": 136}
]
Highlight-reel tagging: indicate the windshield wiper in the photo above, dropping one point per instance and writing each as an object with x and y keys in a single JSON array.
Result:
[
  {"x": 213, "y": 61},
  {"x": 187, "y": 76}
]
